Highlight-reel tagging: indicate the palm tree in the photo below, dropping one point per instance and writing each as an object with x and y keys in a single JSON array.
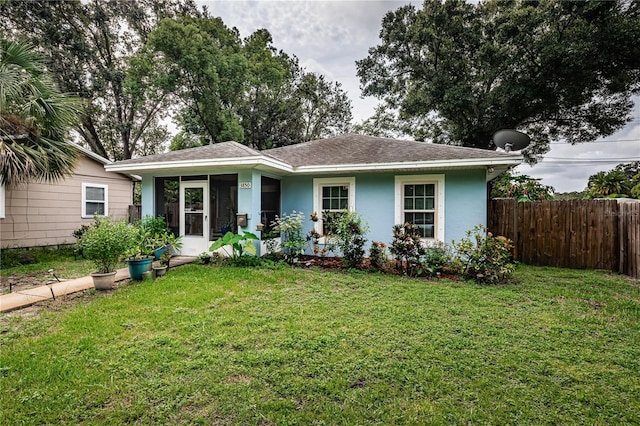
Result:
[
  {"x": 612, "y": 182},
  {"x": 35, "y": 119}
]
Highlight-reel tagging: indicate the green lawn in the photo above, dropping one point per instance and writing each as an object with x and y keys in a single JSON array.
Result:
[{"x": 288, "y": 346}]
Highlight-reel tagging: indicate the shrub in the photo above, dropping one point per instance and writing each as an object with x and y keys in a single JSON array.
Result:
[
  {"x": 244, "y": 261},
  {"x": 485, "y": 258},
  {"x": 10, "y": 258},
  {"x": 407, "y": 250},
  {"x": 106, "y": 242},
  {"x": 347, "y": 233},
  {"x": 203, "y": 258},
  {"x": 436, "y": 258},
  {"x": 378, "y": 256},
  {"x": 290, "y": 229},
  {"x": 154, "y": 225}
]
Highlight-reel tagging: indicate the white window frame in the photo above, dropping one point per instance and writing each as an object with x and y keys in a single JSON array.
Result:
[
  {"x": 318, "y": 184},
  {"x": 86, "y": 185},
  {"x": 2, "y": 201},
  {"x": 434, "y": 179}
]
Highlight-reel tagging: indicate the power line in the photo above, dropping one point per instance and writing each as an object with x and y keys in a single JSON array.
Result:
[
  {"x": 589, "y": 160},
  {"x": 589, "y": 143}
]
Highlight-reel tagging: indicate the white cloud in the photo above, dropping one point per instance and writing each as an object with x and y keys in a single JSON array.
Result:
[{"x": 327, "y": 36}]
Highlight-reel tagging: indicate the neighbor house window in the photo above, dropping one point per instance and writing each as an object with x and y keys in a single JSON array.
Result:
[
  {"x": 2, "y": 202},
  {"x": 95, "y": 199},
  {"x": 420, "y": 201},
  {"x": 332, "y": 196}
]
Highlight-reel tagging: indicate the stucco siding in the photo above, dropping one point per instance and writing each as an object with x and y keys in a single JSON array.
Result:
[
  {"x": 375, "y": 199},
  {"x": 40, "y": 214},
  {"x": 375, "y": 202},
  {"x": 464, "y": 204},
  {"x": 297, "y": 194}
]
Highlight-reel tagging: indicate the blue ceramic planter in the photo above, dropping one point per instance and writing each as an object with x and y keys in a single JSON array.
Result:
[
  {"x": 159, "y": 252},
  {"x": 138, "y": 267}
]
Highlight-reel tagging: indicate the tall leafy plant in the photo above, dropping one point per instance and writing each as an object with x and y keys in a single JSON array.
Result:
[
  {"x": 407, "y": 249},
  {"x": 485, "y": 258},
  {"x": 106, "y": 242},
  {"x": 293, "y": 240},
  {"x": 347, "y": 233}
]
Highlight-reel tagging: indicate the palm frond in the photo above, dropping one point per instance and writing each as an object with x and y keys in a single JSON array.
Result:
[{"x": 35, "y": 119}]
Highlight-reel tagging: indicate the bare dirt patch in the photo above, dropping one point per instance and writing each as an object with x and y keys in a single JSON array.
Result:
[{"x": 24, "y": 282}]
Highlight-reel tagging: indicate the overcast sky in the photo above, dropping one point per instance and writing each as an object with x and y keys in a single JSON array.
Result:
[{"x": 329, "y": 36}]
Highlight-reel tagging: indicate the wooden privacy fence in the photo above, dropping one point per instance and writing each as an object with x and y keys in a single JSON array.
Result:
[
  {"x": 594, "y": 234},
  {"x": 135, "y": 213}
]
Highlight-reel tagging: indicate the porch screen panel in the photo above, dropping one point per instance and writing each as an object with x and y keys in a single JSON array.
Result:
[
  {"x": 269, "y": 202},
  {"x": 167, "y": 195},
  {"x": 223, "y": 204}
]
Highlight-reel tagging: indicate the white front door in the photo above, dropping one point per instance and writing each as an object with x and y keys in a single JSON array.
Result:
[{"x": 194, "y": 215}]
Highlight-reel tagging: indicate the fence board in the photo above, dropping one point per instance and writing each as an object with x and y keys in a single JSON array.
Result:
[
  {"x": 629, "y": 217},
  {"x": 135, "y": 213},
  {"x": 595, "y": 234}
]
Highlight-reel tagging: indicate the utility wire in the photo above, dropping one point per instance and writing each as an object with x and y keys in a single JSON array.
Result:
[
  {"x": 589, "y": 143},
  {"x": 589, "y": 160}
]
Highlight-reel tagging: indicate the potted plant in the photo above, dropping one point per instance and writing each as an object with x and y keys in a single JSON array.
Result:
[
  {"x": 173, "y": 244},
  {"x": 141, "y": 254},
  {"x": 158, "y": 229},
  {"x": 105, "y": 243},
  {"x": 160, "y": 269}
]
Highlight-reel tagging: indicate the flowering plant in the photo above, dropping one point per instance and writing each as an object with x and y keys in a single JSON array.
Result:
[{"x": 290, "y": 228}]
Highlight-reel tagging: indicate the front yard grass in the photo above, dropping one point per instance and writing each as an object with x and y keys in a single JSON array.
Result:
[{"x": 222, "y": 345}]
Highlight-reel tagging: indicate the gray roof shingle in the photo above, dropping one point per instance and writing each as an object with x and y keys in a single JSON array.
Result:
[
  {"x": 359, "y": 149},
  {"x": 218, "y": 150}
]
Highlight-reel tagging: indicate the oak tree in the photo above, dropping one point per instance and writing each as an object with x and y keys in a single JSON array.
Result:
[{"x": 456, "y": 72}]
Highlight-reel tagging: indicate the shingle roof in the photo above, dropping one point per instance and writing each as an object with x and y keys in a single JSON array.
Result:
[
  {"x": 348, "y": 152},
  {"x": 359, "y": 149},
  {"x": 218, "y": 150}
]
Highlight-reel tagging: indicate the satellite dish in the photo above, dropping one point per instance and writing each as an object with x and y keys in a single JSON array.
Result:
[{"x": 511, "y": 140}]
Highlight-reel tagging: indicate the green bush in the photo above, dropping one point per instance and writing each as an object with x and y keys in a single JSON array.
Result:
[
  {"x": 347, "y": 233},
  {"x": 408, "y": 250},
  {"x": 436, "y": 258},
  {"x": 485, "y": 258},
  {"x": 10, "y": 258},
  {"x": 154, "y": 225},
  {"x": 106, "y": 242},
  {"x": 378, "y": 256}
]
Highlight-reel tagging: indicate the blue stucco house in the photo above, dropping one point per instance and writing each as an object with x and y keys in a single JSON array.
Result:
[{"x": 205, "y": 191}]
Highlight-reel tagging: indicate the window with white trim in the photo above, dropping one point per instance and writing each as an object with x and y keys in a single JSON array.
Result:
[
  {"x": 95, "y": 200},
  {"x": 420, "y": 201},
  {"x": 2, "y": 201},
  {"x": 331, "y": 196}
]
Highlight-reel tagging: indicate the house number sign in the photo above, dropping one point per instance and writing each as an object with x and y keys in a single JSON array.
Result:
[{"x": 245, "y": 185}]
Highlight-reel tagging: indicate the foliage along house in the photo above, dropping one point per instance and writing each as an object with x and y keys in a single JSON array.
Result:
[
  {"x": 205, "y": 191},
  {"x": 47, "y": 214}
]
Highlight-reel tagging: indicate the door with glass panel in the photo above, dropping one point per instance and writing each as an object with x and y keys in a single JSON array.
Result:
[{"x": 194, "y": 207}]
